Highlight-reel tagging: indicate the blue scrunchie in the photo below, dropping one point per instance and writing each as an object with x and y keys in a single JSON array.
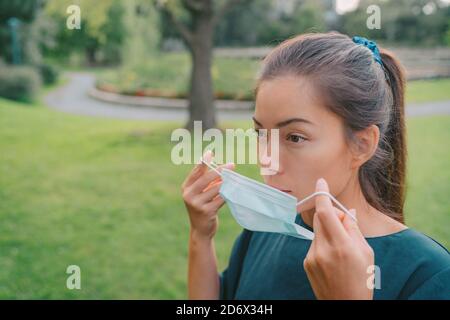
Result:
[{"x": 371, "y": 45}]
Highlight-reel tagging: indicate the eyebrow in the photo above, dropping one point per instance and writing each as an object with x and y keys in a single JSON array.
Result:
[{"x": 285, "y": 122}]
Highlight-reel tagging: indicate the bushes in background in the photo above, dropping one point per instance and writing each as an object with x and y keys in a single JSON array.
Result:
[
  {"x": 49, "y": 74},
  {"x": 20, "y": 83}
]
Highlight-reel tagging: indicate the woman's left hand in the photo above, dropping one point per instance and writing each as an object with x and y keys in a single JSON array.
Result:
[{"x": 338, "y": 259}]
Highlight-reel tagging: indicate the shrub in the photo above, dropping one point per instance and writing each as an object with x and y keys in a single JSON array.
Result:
[
  {"x": 19, "y": 83},
  {"x": 49, "y": 74}
]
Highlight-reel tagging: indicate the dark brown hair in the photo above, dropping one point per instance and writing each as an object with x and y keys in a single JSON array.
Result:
[{"x": 363, "y": 93}]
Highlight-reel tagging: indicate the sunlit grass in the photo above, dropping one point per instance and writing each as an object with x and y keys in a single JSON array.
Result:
[{"x": 428, "y": 90}]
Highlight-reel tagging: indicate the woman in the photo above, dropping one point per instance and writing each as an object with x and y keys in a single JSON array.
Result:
[{"x": 339, "y": 108}]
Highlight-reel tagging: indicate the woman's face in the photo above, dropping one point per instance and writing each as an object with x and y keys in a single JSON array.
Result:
[{"x": 312, "y": 139}]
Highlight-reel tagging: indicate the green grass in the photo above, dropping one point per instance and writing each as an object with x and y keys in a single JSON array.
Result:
[
  {"x": 428, "y": 202},
  {"x": 104, "y": 195},
  {"x": 428, "y": 90}
]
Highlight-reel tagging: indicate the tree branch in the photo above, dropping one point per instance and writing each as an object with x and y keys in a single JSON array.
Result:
[{"x": 181, "y": 27}]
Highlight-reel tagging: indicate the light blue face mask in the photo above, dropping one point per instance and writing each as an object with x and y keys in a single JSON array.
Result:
[{"x": 259, "y": 207}]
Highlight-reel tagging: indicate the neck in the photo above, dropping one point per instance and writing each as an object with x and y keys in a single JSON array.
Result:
[{"x": 371, "y": 221}]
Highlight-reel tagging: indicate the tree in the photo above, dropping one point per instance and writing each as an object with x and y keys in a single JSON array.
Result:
[
  {"x": 102, "y": 34},
  {"x": 405, "y": 22},
  {"x": 23, "y": 10},
  {"x": 197, "y": 35},
  {"x": 245, "y": 24}
]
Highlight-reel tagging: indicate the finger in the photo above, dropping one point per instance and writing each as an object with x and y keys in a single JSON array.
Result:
[
  {"x": 323, "y": 203},
  {"x": 198, "y": 170},
  {"x": 330, "y": 225},
  {"x": 216, "y": 181},
  {"x": 202, "y": 182},
  {"x": 317, "y": 228},
  {"x": 310, "y": 255},
  {"x": 215, "y": 204},
  {"x": 210, "y": 194},
  {"x": 351, "y": 226},
  {"x": 340, "y": 214}
]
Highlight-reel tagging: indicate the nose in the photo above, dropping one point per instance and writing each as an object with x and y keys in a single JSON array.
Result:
[{"x": 268, "y": 154}]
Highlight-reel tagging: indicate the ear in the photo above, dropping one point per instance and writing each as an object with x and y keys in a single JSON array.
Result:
[{"x": 364, "y": 145}]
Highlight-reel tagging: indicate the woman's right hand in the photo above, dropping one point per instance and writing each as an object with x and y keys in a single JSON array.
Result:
[{"x": 201, "y": 196}]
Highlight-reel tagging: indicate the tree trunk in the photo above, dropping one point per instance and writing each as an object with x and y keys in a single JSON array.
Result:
[
  {"x": 199, "y": 40},
  {"x": 201, "y": 96}
]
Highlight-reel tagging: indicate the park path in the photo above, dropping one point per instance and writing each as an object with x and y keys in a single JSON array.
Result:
[{"x": 73, "y": 98}]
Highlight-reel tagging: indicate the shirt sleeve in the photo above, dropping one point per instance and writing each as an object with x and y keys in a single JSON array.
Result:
[
  {"x": 229, "y": 278},
  {"x": 435, "y": 288}
]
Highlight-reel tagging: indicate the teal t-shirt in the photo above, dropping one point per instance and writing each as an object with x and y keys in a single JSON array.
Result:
[{"x": 266, "y": 265}]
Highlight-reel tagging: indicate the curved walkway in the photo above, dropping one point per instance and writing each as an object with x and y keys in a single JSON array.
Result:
[{"x": 74, "y": 98}]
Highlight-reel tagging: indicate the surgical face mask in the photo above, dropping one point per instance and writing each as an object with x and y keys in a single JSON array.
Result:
[{"x": 259, "y": 207}]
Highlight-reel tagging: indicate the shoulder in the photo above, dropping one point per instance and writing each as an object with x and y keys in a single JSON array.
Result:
[
  {"x": 427, "y": 249},
  {"x": 412, "y": 244},
  {"x": 422, "y": 262},
  {"x": 431, "y": 256}
]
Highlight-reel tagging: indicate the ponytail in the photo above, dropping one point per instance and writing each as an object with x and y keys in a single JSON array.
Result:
[
  {"x": 382, "y": 178},
  {"x": 394, "y": 194}
]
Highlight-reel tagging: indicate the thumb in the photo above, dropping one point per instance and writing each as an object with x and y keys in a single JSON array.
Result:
[{"x": 351, "y": 226}]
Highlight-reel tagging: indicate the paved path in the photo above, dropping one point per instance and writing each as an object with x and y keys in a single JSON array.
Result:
[
  {"x": 428, "y": 109},
  {"x": 73, "y": 98}
]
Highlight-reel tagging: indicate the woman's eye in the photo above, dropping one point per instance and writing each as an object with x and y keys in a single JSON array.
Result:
[{"x": 295, "y": 138}]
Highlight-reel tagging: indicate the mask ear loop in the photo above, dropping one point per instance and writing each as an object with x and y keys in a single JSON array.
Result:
[
  {"x": 212, "y": 166},
  {"x": 323, "y": 193}
]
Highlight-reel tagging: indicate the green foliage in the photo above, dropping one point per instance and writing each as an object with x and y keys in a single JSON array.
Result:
[
  {"x": 244, "y": 24},
  {"x": 102, "y": 32},
  {"x": 255, "y": 23},
  {"x": 262, "y": 22},
  {"x": 25, "y": 10},
  {"x": 403, "y": 22},
  {"x": 49, "y": 73},
  {"x": 307, "y": 17},
  {"x": 143, "y": 35},
  {"x": 447, "y": 34},
  {"x": 114, "y": 32},
  {"x": 19, "y": 83}
]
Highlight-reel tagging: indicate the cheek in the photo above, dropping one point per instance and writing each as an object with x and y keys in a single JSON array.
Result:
[{"x": 325, "y": 159}]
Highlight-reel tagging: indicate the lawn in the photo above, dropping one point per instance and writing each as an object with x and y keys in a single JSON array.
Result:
[
  {"x": 104, "y": 195},
  {"x": 428, "y": 90},
  {"x": 168, "y": 75}
]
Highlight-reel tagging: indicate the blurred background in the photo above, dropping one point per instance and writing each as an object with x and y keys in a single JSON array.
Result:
[{"x": 90, "y": 92}]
